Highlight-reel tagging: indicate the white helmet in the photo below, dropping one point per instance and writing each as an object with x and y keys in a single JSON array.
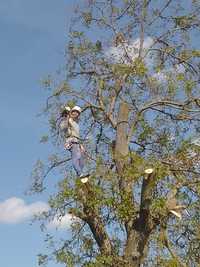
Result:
[{"x": 76, "y": 108}]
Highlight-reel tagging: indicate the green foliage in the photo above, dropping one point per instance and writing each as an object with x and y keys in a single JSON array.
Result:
[
  {"x": 146, "y": 132},
  {"x": 42, "y": 259},
  {"x": 189, "y": 85},
  {"x": 87, "y": 16},
  {"x": 136, "y": 169},
  {"x": 188, "y": 54},
  {"x": 184, "y": 21},
  {"x": 172, "y": 87},
  {"x": 196, "y": 53},
  {"x": 101, "y": 261},
  {"x": 171, "y": 263},
  {"x": 124, "y": 208},
  {"x": 47, "y": 83},
  {"x": 66, "y": 257},
  {"x": 136, "y": 68},
  {"x": 101, "y": 84},
  {"x": 158, "y": 207},
  {"x": 52, "y": 123},
  {"x": 185, "y": 55},
  {"x": 71, "y": 103},
  {"x": 77, "y": 34},
  {"x": 180, "y": 77},
  {"x": 44, "y": 139},
  {"x": 62, "y": 88},
  {"x": 37, "y": 177},
  {"x": 88, "y": 244},
  {"x": 122, "y": 69},
  {"x": 139, "y": 67},
  {"x": 115, "y": 10}
]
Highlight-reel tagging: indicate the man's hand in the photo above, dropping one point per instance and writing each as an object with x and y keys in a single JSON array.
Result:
[
  {"x": 82, "y": 148},
  {"x": 67, "y": 145}
]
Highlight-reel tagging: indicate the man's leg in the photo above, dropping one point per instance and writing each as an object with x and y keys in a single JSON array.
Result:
[
  {"x": 81, "y": 161},
  {"x": 84, "y": 176},
  {"x": 76, "y": 159}
]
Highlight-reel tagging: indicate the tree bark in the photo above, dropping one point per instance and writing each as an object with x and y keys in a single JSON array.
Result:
[
  {"x": 121, "y": 159},
  {"x": 121, "y": 147},
  {"x": 137, "y": 241},
  {"x": 139, "y": 229}
]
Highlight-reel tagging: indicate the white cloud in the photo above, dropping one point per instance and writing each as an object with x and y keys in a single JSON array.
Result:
[
  {"x": 162, "y": 76},
  {"x": 125, "y": 52},
  {"x": 15, "y": 210},
  {"x": 61, "y": 222},
  {"x": 148, "y": 41}
]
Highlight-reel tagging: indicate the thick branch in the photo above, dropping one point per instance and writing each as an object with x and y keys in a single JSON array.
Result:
[{"x": 92, "y": 217}]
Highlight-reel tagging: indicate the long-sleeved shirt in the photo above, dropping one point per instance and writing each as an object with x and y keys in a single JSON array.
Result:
[
  {"x": 63, "y": 126},
  {"x": 73, "y": 129},
  {"x": 73, "y": 134},
  {"x": 70, "y": 130}
]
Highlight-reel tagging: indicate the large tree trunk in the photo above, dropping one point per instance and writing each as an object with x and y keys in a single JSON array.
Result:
[
  {"x": 121, "y": 147},
  {"x": 138, "y": 230},
  {"x": 137, "y": 240},
  {"x": 122, "y": 159},
  {"x": 136, "y": 246}
]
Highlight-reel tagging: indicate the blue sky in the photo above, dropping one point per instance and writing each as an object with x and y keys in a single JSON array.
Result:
[{"x": 32, "y": 41}]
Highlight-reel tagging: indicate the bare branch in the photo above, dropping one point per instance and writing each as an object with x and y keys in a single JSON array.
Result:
[
  {"x": 176, "y": 105},
  {"x": 180, "y": 60},
  {"x": 160, "y": 12},
  {"x": 54, "y": 165},
  {"x": 124, "y": 11}
]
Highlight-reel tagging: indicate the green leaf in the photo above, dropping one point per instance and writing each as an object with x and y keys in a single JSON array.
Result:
[
  {"x": 189, "y": 85},
  {"x": 140, "y": 67},
  {"x": 101, "y": 84},
  {"x": 44, "y": 139},
  {"x": 196, "y": 53},
  {"x": 42, "y": 259},
  {"x": 180, "y": 77},
  {"x": 76, "y": 34},
  {"x": 87, "y": 16}
]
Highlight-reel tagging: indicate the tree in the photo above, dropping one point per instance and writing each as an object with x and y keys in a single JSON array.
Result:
[{"x": 134, "y": 68}]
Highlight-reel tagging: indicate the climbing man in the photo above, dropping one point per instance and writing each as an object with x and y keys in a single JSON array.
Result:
[{"x": 69, "y": 125}]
